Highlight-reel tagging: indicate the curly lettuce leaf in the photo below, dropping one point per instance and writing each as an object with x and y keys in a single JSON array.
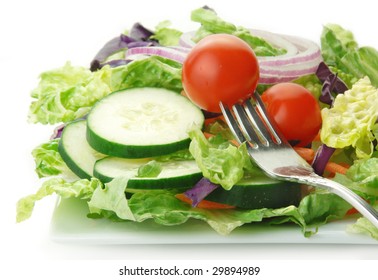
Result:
[
  {"x": 111, "y": 197},
  {"x": 47, "y": 159},
  {"x": 211, "y": 23},
  {"x": 165, "y": 35},
  {"x": 364, "y": 226},
  {"x": 153, "y": 71},
  {"x": 340, "y": 50},
  {"x": 222, "y": 163},
  {"x": 362, "y": 177},
  {"x": 164, "y": 208},
  {"x": 67, "y": 93},
  {"x": 80, "y": 189},
  {"x": 351, "y": 119}
]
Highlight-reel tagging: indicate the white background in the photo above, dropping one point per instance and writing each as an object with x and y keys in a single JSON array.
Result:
[{"x": 41, "y": 35}]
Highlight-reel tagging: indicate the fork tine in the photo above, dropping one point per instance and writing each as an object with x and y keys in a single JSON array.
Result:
[
  {"x": 259, "y": 124},
  {"x": 232, "y": 123},
  {"x": 268, "y": 124},
  {"x": 247, "y": 125}
]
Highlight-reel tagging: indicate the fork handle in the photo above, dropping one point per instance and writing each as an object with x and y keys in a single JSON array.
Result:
[{"x": 348, "y": 195}]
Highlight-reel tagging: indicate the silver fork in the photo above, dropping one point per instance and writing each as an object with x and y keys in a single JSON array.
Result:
[{"x": 267, "y": 147}]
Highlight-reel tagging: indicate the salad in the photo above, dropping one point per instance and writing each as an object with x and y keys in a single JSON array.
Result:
[{"x": 138, "y": 134}]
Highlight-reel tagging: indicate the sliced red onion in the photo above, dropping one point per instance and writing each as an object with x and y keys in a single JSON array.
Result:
[
  {"x": 274, "y": 79},
  {"x": 293, "y": 69},
  {"x": 202, "y": 189},
  {"x": 186, "y": 40},
  {"x": 306, "y": 51},
  {"x": 171, "y": 53},
  {"x": 57, "y": 133}
]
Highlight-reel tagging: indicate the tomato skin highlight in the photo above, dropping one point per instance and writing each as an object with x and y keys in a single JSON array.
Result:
[
  {"x": 220, "y": 67},
  {"x": 295, "y": 111}
]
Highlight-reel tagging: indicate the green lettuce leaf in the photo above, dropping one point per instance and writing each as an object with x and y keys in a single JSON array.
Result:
[
  {"x": 80, "y": 189},
  {"x": 47, "y": 159},
  {"x": 165, "y": 35},
  {"x": 150, "y": 169},
  {"x": 67, "y": 93},
  {"x": 153, "y": 71},
  {"x": 341, "y": 51},
  {"x": 163, "y": 207},
  {"x": 362, "y": 177},
  {"x": 222, "y": 164},
  {"x": 364, "y": 226},
  {"x": 111, "y": 197},
  {"x": 211, "y": 23},
  {"x": 351, "y": 120}
]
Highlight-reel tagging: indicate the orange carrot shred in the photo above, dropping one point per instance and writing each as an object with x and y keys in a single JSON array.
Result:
[
  {"x": 204, "y": 204},
  {"x": 334, "y": 167},
  {"x": 306, "y": 153}
]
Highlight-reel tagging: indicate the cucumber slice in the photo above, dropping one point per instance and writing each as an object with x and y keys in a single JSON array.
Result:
[
  {"x": 181, "y": 174},
  {"x": 259, "y": 192},
  {"x": 142, "y": 122},
  {"x": 75, "y": 150}
]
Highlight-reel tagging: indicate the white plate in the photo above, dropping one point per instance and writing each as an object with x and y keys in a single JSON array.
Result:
[{"x": 70, "y": 224}]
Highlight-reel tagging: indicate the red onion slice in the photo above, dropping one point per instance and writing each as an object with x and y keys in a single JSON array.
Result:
[{"x": 171, "y": 53}]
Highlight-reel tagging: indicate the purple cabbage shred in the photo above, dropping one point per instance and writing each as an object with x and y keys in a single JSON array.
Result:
[
  {"x": 331, "y": 84},
  {"x": 322, "y": 156},
  {"x": 200, "y": 190},
  {"x": 139, "y": 37}
]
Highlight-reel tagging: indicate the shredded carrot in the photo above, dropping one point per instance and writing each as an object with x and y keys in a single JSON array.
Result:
[
  {"x": 334, "y": 167},
  {"x": 306, "y": 153},
  {"x": 204, "y": 204},
  {"x": 214, "y": 119},
  {"x": 208, "y": 135}
]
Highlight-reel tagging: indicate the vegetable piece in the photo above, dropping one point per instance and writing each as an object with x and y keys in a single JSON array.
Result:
[
  {"x": 142, "y": 122},
  {"x": 295, "y": 111},
  {"x": 82, "y": 189},
  {"x": 220, "y": 67},
  {"x": 75, "y": 150},
  {"x": 200, "y": 191},
  {"x": 222, "y": 163},
  {"x": 204, "y": 204},
  {"x": 175, "y": 54},
  {"x": 334, "y": 167},
  {"x": 47, "y": 159},
  {"x": 258, "y": 192},
  {"x": 306, "y": 153},
  {"x": 351, "y": 119},
  {"x": 341, "y": 50},
  {"x": 211, "y": 23},
  {"x": 322, "y": 156},
  {"x": 67, "y": 93},
  {"x": 152, "y": 71},
  {"x": 165, "y": 35},
  {"x": 181, "y": 174},
  {"x": 331, "y": 83}
]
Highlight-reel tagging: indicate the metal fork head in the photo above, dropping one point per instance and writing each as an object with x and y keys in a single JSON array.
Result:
[{"x": 250, "y": 123}]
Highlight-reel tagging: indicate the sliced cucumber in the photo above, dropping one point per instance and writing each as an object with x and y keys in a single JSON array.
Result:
[
  {"x": 75, "y": 150},
  {"x": 175, "y": 174},
  {"x": 259, "y": 192},
  {"x": 142, "y": 122}
]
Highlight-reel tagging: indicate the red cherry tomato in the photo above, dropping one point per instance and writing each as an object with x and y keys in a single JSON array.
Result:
[
  {"x": 220, "y": 67},
  {"x": 295, "y": 111}
]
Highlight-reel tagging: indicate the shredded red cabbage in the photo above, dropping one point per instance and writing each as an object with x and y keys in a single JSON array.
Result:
[
  {"x": 322, "y": 156},
  {"x": 139, "y": 36},
  {"x": 200, "y": 190},
  {"x": 331, "y": 83}
]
